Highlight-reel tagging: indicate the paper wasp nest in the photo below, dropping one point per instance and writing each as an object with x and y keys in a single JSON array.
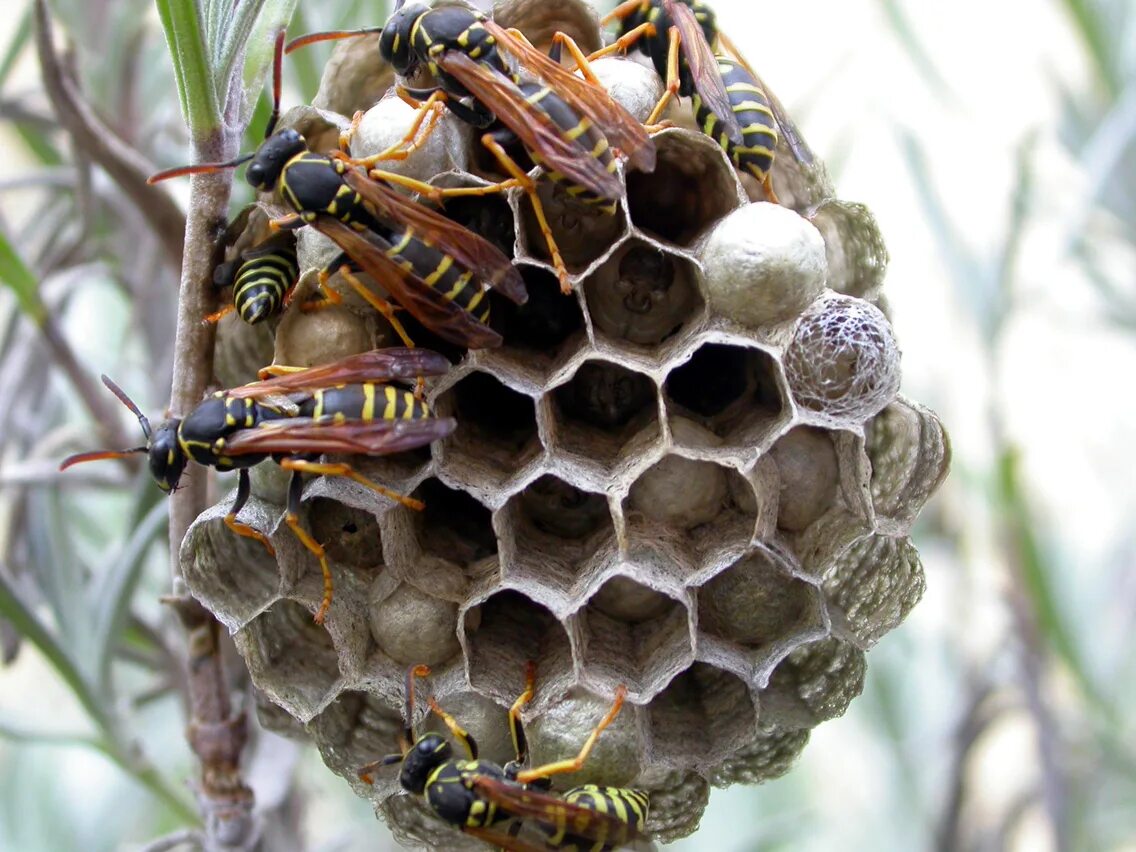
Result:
[{"x": 693, "y": 476}]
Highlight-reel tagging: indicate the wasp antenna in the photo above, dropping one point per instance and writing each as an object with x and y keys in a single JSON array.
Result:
[
  {"x": 95, "y": 455},
  {"x": 129, "y": 403},
  {"x": 328, "y": 35},
  {"x": 199, "y": 169},
  {"x": 278, "y": 52}
]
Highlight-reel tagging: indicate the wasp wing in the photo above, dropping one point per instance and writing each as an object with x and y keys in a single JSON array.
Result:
[
  {"x": 378, "y": 365},
  {"x": 475, "y": 253},
  {"x": 537, "y": 131},
  {"x": 703, "y": 67},
  {"x": 301, "y": 435},
  {"x": 617, "y": 124},
  {"x": 446, "y": 319}
]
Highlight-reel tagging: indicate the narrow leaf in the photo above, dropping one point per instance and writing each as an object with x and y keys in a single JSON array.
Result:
[
  {"x": 15, "y": 47},
  {"x": 274, "y": 17},
  {"x": 200, "y": 104},
  {"x": 16, "y": 276}
]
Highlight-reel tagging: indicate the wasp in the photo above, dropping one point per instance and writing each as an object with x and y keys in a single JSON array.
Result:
[
  {"x": 262, "y": 279},
  {"x": 479, "y": 796},
  {"x": 569, "y": 125},
  {"x": 731, "y": 103},
  {"x": 346, "y": 407},
  {"x": 433, "y": 267}
]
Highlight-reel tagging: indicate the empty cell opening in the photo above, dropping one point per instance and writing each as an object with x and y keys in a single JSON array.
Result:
[
  {"x": 643, "y": 295},
  {"x": 732, "y": 390},
  {"x": 453, "y": 526},
  {"x": 634, "y": 634},
  {"x": 355, "y": 729},
  {"x": 488, "y": 216},
  {"x": 702, "y": 716},
  {"x": 816, "y": 682},
  {"x": 496, "y": 425},
  {"x": 691, "y": 187},
  {"x": 236, "y": 573},
  {"x": 290, "y": 657},
  {"x": 756, "y": 604},
  {"x": 582, "y": 232},
  {"x": 507, "y": 631},
  {"x": 349, "y": 535},
  {"x": 545, "y": 322}
]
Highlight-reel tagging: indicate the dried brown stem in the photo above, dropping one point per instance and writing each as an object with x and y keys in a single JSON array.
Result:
[{"x": 126, "y": 166}]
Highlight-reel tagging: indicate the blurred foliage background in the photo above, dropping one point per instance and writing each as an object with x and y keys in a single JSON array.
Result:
[{"x": 996, "y": 143}]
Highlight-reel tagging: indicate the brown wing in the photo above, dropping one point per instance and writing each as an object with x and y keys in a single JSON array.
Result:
[
  {"x": 617, "y": 124},
  {"x": 378, "y": 365},
  {"x": 446, "y": 319},
  {"x": 360, "y": 437},
  {"x": 502, "y": 840},
  {"x": 552, "y": 810},
  {"x": 472, "y": 251},
  {"x": 699, "y": 56},
  {"x": 536, "y": 130}
]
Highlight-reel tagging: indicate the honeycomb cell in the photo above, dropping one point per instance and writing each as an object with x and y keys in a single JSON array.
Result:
[
  {"x": 497, "y": 435},
  {"x": 502, "y": 634},
  {"x": 643, "y": 294},
  {"x": 558, "y": 732},
  {"x": 355, "y": 76},
  {"x": 386, "y": 123},
  {"x": 414, "y": 826},
  {"x": 703, "y": 715},
  {"x": 583, "y": 233},
  {"x": 693, "y": 185},
  {"x": 354, "y": 729},
  {"x": 322, "y": 337},
  {"x": 540, "y": 334},
  {"x": 348, "y": 534},
  {"x": 453, "y": 526},
  {"x": 854, "y": 246},
  {"x": 769, "y": 756},
  {"x": 488, "y": 216},
  {"x": 486, "y": 720},
  {"x": 910, "y": 454},
  {"x": 810, "y": 479},
  {"x": 753, "y": 603},
  {"x": 602, "y": 409},
  {"x": 241, "y": 350},
  {"x": 290, "y": 657},
  {"x": 815, "y": 683},
  {"x": 874, "y": 584},
  {"x": 737, "y": 392},
  {"x": 230, "y": 572},
  {"x": 634, "y": 635},
  {"x": 677, "y": 803},
  {"x": 410, "y": 626},
  {"x": 539, "y": 21}
]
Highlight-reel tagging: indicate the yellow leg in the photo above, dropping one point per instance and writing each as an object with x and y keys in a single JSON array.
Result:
[
  {"x": 285, "y": 223},
  {"x": 516, "y": 729},
  {"x": 323, "y": 297},
  {"x": 673, "y": 81},
  {"x": 347, "y": 135},
  {"x": 625, "y": 41},
  {"x": 457, "y": 731},
  {"x": 577, "y": 54},
  {"x": 348, "y": 472},
  {"x": 526, "y": 183},
  {"x": 378, "y": 303},
  {"x": 406, "y": 97},
  {"x": 411, "y": 142},
  {"x": 216, "y": 316},
  {"x": 623, "y": 10},
  {"x": 561, "y": 767},
  {"x": 767, "y": 186},
  {"x": 277, "y": 370},
  {"x": 248, "y": 532},
  {"x": 317, "y": 550}
]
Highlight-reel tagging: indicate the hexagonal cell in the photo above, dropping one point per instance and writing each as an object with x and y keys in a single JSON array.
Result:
[
  {"x": 634, "y": 635},
  {"x": 755, "y": 604},
  {"x": 809, "y": 474},
  {"x": 540, "y": 21},
  {"x": 497, "y": 431},
  {"x": 910, "y": 454},
  {"x": 502, "y": 634},
  {"x": 349, "y": 535},
  {"x": 601, "y": 409},
  {"x": 542, "y": 331},
  {"x": 692, "y": 503},
  {"x": 354, "y": 729},
  {"x": 816, "y": 682},
  {"x": 583, "y": 232},
  {"x": 485, "y": 720},
  {"x": 702, "y": 716},
  {"x": 453, "y": 526},
  {"x": 552, "y": 532},
  {"x": 677, "y": 803},
  {"x": 854, "y": 246},
  {"x": 234, "y": 576},
  {"x": 410, "y": 626},
  {"x": 693, "y": 185},
  {"x": 290, "y": 657},
  {"x": 875, "y": 583},
  {"x": 770, "y": 755},
  {"x": 737, "y": 392},
  {"x": 488, "y": 216},
  {"x": 644, "y": 295}
]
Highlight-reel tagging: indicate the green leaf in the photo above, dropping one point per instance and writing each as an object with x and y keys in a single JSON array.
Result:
[
  {"x": 16, "y": 276},
  {"x": 200, "y": 104},
  {"x": 15, "y": 47},
  {"x": 274, "y": 16},
  {"x": 1094, "y": 31}
]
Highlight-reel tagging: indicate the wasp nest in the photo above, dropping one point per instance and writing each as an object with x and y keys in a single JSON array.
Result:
[{"x": 693, "y": 476}]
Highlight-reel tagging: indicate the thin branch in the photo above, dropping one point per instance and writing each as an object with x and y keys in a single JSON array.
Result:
[{"x": 126, "y": 166}]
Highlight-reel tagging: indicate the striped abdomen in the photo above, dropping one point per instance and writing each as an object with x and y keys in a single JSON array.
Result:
[
  {"x": 629, "y": 807},
  {"x": 366, "y": 402},
  {"x": 583, "y": 133},
  {"x": 452, "y": 281},
  {"x": 751, "y": 107},
  {"x": 262, "y": 282}
]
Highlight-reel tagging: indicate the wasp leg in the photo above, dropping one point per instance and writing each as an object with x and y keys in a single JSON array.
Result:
[
  {"x": 292, "y": 519},
  {"x": 767, "y": 188},
  {"x": 529, "y": 186},
  {"x": 322, "y": 297},
  {"x": 673, "y": 81},
  {"x": 516, "y": 727},
  {"x": 409, "y": 143},
  {"x": 623, "y": 10},
  {"x": 623, "y": 42},
  {"x": 457, "y": 731},
  {"x": 217, "y": 315},
  {"x": 236, "y": 526},
  {"x": 378, "y": 303},
  {"x": 573, "y": 764},
  {"x": 348, "y": 472},
  {"x": 286, "y": 223},
  {"x": 582, "y": 60}
]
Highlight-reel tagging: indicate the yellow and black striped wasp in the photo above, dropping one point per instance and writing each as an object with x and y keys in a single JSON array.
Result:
[
  {"x": 434, "y": 268},
  {"x": 262, "y": 278},
  {"x": 490, "y": 801},
  {"x": 346, "y": 407},
  {"x": 731, "y": 103},
  {"x": 567, "y": 124}
]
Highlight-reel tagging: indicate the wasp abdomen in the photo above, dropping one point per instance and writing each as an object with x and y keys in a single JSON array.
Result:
[{"x": 750, "y": 105}]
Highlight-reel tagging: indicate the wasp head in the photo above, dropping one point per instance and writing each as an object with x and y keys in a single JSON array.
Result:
[
  {"x": 271, "y": 157},
  {"x": 394, "y": 43},
  {"x": 428, "y": 753}
]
